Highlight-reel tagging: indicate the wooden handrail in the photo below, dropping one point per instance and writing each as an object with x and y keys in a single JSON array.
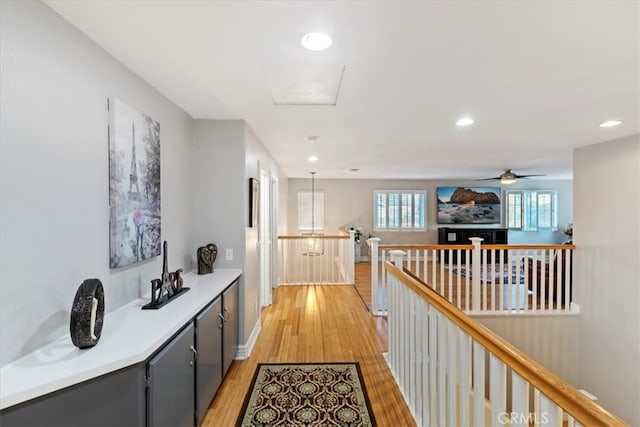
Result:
[
  {"x": 413, "y": 247},
  {"x": 316, "y": 236},
  {"x": 584, "y": 410}
]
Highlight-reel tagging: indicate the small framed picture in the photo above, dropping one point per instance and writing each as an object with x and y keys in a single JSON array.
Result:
[{"x": 254, "y": 202}]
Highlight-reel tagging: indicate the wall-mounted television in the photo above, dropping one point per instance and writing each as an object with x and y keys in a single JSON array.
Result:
[{"x": 469, "y": 205}]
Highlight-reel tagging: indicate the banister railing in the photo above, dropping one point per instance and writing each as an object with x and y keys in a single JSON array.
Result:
[
  {"x": 455, "y": 372},
  {"x": 316, "y": 259},
  {"x": 484, "y": 279}
]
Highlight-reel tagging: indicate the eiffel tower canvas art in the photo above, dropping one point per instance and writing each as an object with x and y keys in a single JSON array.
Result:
[{"x": 134, "y": 185}]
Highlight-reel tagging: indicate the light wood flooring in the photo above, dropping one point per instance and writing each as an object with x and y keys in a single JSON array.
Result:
[{"x": 317, "y": 324}]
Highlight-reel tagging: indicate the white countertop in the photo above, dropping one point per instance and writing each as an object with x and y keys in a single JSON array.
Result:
[{"x": 129, "y": 336}]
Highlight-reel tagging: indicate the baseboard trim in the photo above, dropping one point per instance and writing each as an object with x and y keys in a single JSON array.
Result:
[{"x": 244, "y": 350}]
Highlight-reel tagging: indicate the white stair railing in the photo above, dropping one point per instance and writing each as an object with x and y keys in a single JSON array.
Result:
[
  {"x": 484, "y": 279},
  {"x": 316, "y": 260},
  {"x": 453, "y": 371}
]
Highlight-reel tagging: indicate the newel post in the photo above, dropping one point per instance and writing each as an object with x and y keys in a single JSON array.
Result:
[
  {"x": 351, "y": 258},
  {"x": 476, "y": 259},
  {"x": 373, "y": 258}
]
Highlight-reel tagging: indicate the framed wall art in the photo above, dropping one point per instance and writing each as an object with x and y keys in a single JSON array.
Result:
[
  {"x": 134, "y": 185},
  {"x": 254, "y": 202}
]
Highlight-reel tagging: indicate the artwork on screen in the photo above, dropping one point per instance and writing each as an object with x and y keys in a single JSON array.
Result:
[{"x": 469, "y": 205}]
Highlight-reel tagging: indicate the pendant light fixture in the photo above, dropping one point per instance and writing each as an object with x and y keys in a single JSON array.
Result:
[{"x": 314, "y": 244}]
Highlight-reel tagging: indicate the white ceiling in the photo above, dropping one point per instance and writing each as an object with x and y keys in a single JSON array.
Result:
[{"x": 538, "y": 77}]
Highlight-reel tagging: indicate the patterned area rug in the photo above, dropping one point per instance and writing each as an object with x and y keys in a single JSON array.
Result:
[
  {"x": 307, "y": 394},
  {"x": 495, "y": 274}
]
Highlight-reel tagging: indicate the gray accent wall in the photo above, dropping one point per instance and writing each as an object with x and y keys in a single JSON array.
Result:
[
  {"x": 607, "y": 272},
  {"x": 54, "y": 180}
]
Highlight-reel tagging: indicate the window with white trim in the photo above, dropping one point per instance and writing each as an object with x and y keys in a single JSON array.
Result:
[
  {"x": 532, "y": 210},
  {"x": 399, "y": 210},
  {"x": 304, "y": 210}
]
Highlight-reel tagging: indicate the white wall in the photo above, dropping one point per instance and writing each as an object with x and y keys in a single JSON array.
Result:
[
  {"x": 219, "y": 193},
  {"x": 350, "y": 202},
  {"x": 607, "y": 268},
  {"x": 550, "y": 340},
  {"x": 257, "y": 157},
  {"x": 226, "y": 154},
  {"x": 54, "y": 188}
]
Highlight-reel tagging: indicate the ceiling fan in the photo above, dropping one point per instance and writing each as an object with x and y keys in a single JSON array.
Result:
[{"x": 507, "y": 177}]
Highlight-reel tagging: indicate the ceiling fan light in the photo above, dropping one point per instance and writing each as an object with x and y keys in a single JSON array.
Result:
[{"x": 507, "y": 179}]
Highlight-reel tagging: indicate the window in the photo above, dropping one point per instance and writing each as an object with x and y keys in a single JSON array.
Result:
[
  {"x": 532, "y": 210},
  {"x": 399, "y": 210},
  {"x": 305, "y": 218}
]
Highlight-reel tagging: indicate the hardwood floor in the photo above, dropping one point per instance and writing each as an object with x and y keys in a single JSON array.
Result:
[{"x": 317, "y": 324}]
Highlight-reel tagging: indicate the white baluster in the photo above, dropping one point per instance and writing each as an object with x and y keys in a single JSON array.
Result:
[
  {"x": 475, "y": 274},
  {"x": 442, "y": 368},
  {"x": 397, "y": 257},
  {"x": 452, "y": 374},
  {"x": 519, "y": 400},
  {"x": 373, "y": 258},
  {"x": 420, "y": 360},
  {"x": 550, "y": 413},
  {"x": 433, "y": 367},
  {"x": 497, "y": 388},
  {"x": 464, "y": 368},
  {"x": 478, "y": 385},
  {"x": 411, "y": 336}
]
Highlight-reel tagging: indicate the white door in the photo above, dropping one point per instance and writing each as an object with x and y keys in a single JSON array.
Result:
[
  {"x": 265, "y": 239},
  {"x": 273, "y": 232}
]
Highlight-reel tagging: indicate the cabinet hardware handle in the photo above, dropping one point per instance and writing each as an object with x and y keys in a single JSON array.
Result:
[
  {"x": 227, "y": 314},
  {"x": 221, "y": 318},
  {"x": 195, "y": 355}
]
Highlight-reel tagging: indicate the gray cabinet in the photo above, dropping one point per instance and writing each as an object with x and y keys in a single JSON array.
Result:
[
  {"x": 187, "y": 372},
  {"x": 170, "y": 376},
  {"x": 115, "y": 399},
  {"x": 172, "y": 388},
  {"x": 209, "y": 344},
  {"x": 230, "y": 330}
]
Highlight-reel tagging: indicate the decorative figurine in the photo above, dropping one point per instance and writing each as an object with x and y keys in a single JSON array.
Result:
[
  {"x": 87, "y": 314},
  {"x": 206, "y": 257},
  {"x": 168, "y": 286}
]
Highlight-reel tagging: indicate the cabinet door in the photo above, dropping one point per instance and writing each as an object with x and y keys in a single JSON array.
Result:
[
  {"x": 230, "y": 330},
  {"x": 115, "y": 399},
  {"x": 209, "y": 345},
  {"x": 171, "y": 392}
]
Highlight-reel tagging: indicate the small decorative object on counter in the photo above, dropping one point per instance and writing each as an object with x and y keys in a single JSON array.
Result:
[
  {"x": 167, "y": 287},
  {"x": 87, "y": 314},
  {"x": 206, "y": 257}
]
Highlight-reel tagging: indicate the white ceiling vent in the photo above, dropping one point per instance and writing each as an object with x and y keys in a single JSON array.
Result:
[{"x": 304, "y": 84}]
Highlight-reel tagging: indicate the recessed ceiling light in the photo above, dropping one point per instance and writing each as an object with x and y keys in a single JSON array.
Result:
[
  {"x": 313, "y": 158},
  {"x": 316, "y": 41},
  {"x": 610, "y": 123},
  {"x": 464, "y": 121}
]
